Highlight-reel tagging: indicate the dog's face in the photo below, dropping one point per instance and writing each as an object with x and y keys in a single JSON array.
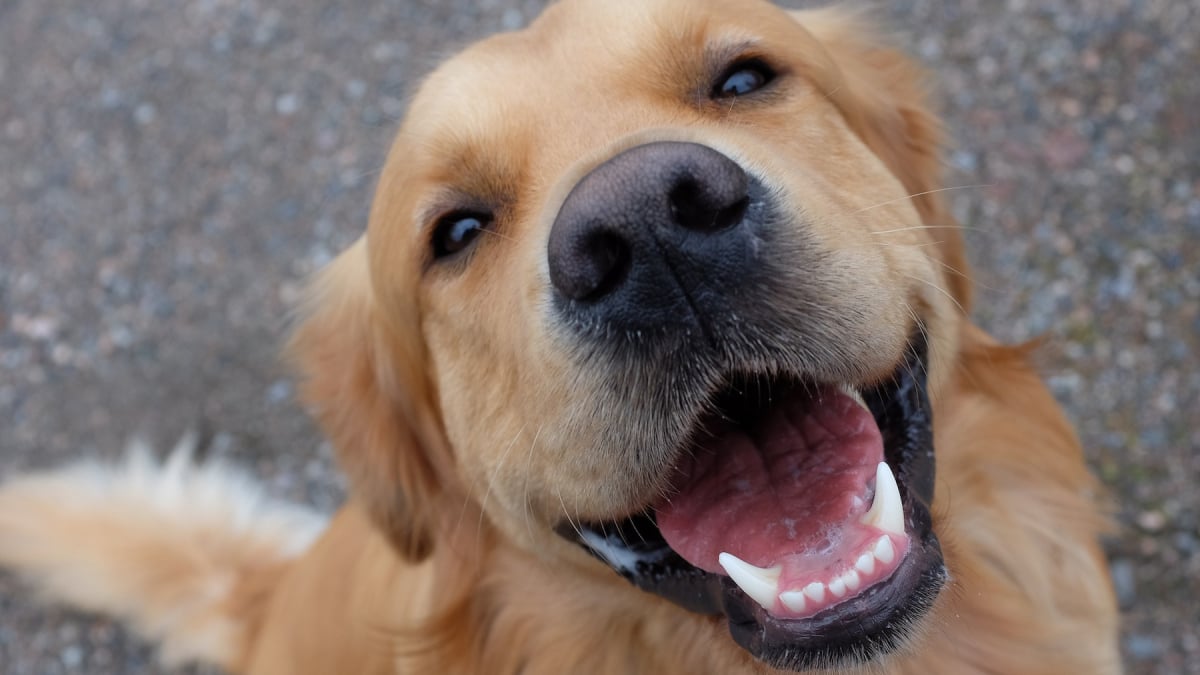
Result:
[{"x": 650, "y": 278}]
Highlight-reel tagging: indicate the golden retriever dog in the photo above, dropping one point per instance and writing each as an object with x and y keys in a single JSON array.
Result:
[{"x": 654, "y": 358}]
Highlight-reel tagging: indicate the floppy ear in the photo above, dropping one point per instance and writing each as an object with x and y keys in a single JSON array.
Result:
[
  {"x": 363, "y": 381},
  {"x": 883, "y": 96}
]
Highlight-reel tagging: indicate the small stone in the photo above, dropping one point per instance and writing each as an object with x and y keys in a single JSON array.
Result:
[
  {"x": 356, "y": 89},
  {"x": 512, "y": 19},
  {"x": 287, "y": 105},
  {"x": 1124, "y": 582},
  {"x": 1148, "y": 547},
  {"x": 1142, "y": 647},
  {"x": 1064, "y": 149},
  {"x": 72, "y": 657},
  {"x": 41, "y": 328},
  {"x": 1151, "y": 521},
  {"x": 145, "y": 113},
  {"x": 1187, "y": 543},
  {"x": 14, "y": 129},
  {"x": 279, "y": 391}
]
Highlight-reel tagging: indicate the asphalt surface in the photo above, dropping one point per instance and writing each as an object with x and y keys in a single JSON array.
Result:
[{"x": 170, "y": 171}]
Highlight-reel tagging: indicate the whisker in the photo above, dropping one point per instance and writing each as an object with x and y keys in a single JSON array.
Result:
[
  {"x": 900, "y": 244},
  {"x": 497, "y": 234},
  {"x": 959, "y": 273},
  {"x": 922, "y": 194},
  {"x": 948, "y": 267},
  {"x": 945, "y": 265},
  {"x": 940, "y": 290},
  {"x": 492, "y": 481},
  {"x": 829, "y": 94},
  {"x": 525, "y": 499},
  {"x": 578, "y": 530},
  {"x": 908, "y": 367},
  {"x": 935, "y": 227},
  {"x": 621, "y": 533},
  {"x": 923, "y": 365},
  {"x": 913, "y": 313}
]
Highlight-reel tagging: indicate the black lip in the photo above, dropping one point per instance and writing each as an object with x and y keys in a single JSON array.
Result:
[{"x": 873, "y": 623}]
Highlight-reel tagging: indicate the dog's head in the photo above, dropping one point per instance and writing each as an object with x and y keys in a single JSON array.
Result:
[{"x": 669, "y": 282}]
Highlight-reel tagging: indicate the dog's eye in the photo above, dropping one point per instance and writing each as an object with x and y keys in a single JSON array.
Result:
[
  {"x": 742, "y": 78},
  {"x": 455, "y": 231}
]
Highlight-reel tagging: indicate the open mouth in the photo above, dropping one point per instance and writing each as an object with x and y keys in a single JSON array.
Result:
[{"x": 801, "y": 513}]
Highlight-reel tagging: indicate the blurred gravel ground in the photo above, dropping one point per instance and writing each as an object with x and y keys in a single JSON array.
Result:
[{"x": 170, "y": 170}]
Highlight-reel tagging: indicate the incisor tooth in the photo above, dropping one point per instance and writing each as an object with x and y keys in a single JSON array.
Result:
[
  {"x": 850, "y": 578},
  {"x": 762, "y": 585},
  {"x": 815, "y": 591},
  {"x": 887, "y": 511},
  {"x": 838, "y": 588},
  {"x": 884, "y": 550},
  {"x": 865, "y": 563},
  {"x": 794, "y": 600}
]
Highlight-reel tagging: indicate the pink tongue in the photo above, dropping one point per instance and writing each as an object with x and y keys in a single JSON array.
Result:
[{"x": 794, "y": 485}]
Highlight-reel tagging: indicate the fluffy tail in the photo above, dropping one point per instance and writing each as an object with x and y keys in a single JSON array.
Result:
[{"x": 187, "y": 554}]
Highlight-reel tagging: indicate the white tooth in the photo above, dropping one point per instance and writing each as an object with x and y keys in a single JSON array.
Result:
[
  {"x": 884, "y": 550},
  {"x": 865, "y": 563},
  {"x": 794, "y": 601},
  {"x": 838, "y": 588},
  {"x": 815, "y": 592},
  {"x": 887, "y": 511},
  {"x": 850, "y": 578},
  {"x": 762, "y": 585},
  {"x": 854, "y": 394}
]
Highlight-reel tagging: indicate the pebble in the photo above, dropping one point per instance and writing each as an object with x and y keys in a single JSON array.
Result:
[
  {"x": 1152, "y": 521},
  {"x": 1124, "y": 581},
  {"x": 1142, "y": 647}
]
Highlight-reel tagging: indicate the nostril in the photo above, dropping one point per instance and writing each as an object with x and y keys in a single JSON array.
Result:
[
  {"x": 693, "y": 208},
  {"x": 596, "y": 264},
  {"x": 731, "y": 215},
  {"x": 610, "y": 256}
]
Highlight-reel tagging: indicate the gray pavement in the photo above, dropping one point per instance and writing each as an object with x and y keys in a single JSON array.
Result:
[{"x": 170, "y": 170}]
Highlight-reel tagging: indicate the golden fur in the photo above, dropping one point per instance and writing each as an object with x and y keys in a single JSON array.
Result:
[{"x": 467, "y": 430}]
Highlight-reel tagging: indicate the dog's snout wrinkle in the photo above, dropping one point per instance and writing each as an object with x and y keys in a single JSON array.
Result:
[
  {"x": 687, "y": 292},
  {"x": 652, "y": 236}
]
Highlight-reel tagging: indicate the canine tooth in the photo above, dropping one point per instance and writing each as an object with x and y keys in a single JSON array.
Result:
[
  {"x": 815, "y": 592},
  {"x": 884, "y": 550},
  {"x": 762, "y": 585},
  {"x": 794, "y": 601},
  {"x": 854, "y": 394},
  {"x": 852, "y": 581},
  {"x": 865, "y": 563},
  {"x": 887, "y": 511},
  {"x": 838, "y": 588}
]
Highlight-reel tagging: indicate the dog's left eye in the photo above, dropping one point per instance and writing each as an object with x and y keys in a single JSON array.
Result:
[
  {"x": 455, "y": 232},
  {"x": 743, "y": 77}
]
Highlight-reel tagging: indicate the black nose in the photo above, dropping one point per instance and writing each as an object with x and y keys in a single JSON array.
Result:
[{"x": 647, "y": 235}]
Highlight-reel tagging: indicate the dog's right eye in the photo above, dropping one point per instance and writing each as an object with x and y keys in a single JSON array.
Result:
[{"x": 455, "y": 231}]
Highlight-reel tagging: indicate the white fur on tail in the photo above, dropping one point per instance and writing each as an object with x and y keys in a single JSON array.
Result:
[{"x": 161, "y": 545}]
